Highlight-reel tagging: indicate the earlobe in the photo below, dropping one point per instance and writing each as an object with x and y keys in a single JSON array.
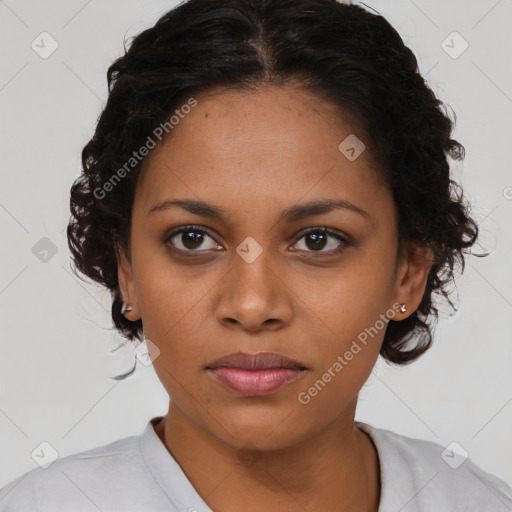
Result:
[
  {"x": 129, "y": 308},
  {"x": 412, "y": 277}
]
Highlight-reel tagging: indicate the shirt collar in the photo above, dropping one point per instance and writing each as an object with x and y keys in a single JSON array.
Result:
[
  {"x": 174, "y": 483},
  {"x": 168, "y": 473},
  {"x": 396, "y": 480}
]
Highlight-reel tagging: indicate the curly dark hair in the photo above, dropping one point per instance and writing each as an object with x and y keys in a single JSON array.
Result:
[{"x": 339, "y": 51}]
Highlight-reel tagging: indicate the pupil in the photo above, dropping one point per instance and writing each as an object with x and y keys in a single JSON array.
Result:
[
  {"x": 316, "y": 238},
  {"x": 192, "y": 239}
]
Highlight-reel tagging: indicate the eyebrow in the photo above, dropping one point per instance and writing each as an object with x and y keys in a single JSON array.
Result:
[{"x": 291, "y": 214}]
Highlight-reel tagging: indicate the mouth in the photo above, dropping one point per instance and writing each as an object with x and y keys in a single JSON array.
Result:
[{"x": 255, "y": 374}]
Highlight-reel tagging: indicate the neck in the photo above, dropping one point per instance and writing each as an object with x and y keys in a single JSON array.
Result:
[{"x": 338, "y": 469}]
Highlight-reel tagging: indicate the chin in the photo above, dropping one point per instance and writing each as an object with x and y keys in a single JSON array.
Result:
[{"x": 261, "y": 430}]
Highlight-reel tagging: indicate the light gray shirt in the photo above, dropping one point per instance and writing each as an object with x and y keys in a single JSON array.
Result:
[{"x": 137, "y": 473}]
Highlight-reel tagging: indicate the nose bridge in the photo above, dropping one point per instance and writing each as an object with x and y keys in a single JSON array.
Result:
[
  {"x": 252, "y": 270},
  {"x": 253, "y": 293}
]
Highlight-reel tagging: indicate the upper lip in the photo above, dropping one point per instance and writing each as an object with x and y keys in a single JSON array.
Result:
[{"x": 259, "y": 361}]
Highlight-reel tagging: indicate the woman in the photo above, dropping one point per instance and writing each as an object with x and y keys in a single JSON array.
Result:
[{"x": 268, "y": 197}]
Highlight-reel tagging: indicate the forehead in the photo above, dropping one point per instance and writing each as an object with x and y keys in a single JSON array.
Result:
[{"x": 254, "y": 150}]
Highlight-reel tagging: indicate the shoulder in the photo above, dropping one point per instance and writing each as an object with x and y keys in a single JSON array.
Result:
[
  {"x": 81, "y": 481},
  {"x": 419, "y": 475}
]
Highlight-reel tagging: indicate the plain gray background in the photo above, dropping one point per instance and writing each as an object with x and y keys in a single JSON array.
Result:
[{"x": 57, "y": 334}]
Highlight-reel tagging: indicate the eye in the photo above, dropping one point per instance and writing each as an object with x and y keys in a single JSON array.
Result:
[
  {"x": 316, "y": 239},
  {"x": 190, "y": 239}
]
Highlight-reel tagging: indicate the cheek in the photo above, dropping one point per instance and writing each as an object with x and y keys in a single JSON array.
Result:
[
  {"x": 346, "y": 365},
  {"x": 331, "y": 392},
  {"x": 180, "y": 339},
  {"x": 346, "y": 314},
  {"x": 172, "y": 298},
  {"x": 180, "y": 361},
  {"x": 343, "y": 302}
]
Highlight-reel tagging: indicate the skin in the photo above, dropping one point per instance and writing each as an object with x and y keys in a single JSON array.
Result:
[{"x": 255, "y": 155}]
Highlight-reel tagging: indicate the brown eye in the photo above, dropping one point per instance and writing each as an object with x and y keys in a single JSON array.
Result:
[
  {"x": 317, "y": 239},
  {"x": 190, "y": 239}
]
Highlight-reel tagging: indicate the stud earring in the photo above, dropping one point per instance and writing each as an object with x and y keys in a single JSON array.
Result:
[
  {"x": 403, "y": 309},
  {"x": 126, "y": 309}
]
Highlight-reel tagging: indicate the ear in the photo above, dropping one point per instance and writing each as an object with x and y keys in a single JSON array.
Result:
[
  {"x": 126, "y": 283},
  {"x": 412, "y": 274}
]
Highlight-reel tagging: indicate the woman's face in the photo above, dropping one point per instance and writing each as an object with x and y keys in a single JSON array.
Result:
[{"x": 255, "y": 281}]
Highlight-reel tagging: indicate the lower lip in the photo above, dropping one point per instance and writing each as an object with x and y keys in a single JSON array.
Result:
[{"x": 255, "y": 382}]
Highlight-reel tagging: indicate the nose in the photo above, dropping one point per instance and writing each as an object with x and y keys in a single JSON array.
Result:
[{"x": 254, "y": 296}]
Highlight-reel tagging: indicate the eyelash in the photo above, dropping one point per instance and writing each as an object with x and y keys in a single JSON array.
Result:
[{"x": 302, "y": 234}]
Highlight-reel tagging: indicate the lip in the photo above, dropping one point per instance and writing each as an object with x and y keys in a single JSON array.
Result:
[
  {"x": 255, "y": 374},
  {"x": 259, "y": 361}
]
